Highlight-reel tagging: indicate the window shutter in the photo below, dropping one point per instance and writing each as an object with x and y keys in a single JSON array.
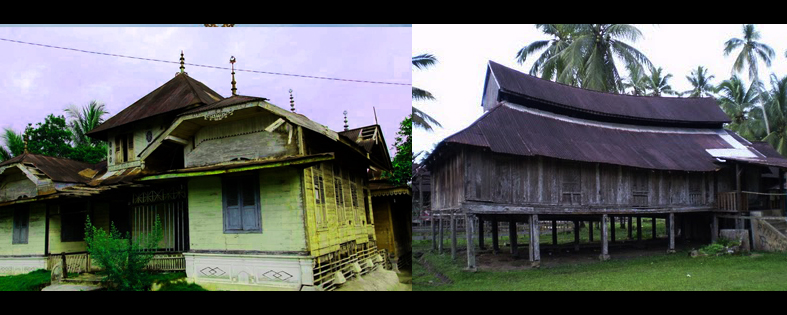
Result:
[
  {"x": 251, "y": 212},
  {"x": 21, "y": 223},
  {"x": 16, "y": 238}
]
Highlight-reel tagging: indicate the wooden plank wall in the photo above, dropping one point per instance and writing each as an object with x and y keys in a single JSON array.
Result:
[{"x": 515, "y": 180}]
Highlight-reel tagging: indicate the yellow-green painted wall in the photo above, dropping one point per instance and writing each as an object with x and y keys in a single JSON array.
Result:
[
  {"x": 281, "y": 213},
  {"x": 99, "y": 218},
  {"x": 36, "y": 233}
]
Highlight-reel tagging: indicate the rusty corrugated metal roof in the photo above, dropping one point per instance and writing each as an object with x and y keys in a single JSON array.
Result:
[
  {"x": 178, "y": 93},
  {"x": 57, "y": 169},
  {"x": 232, "y": 100},
  {"x": 511, "y": 131},
  {"x": 648, "y": 108}
]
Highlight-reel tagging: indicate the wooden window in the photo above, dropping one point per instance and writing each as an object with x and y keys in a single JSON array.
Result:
[
  {"x": 72, "y": 222},
  {"x": 640, "y": 187},
  {"x": 319, "y": 194},
  {"x": 338, "y": 189},
  {"x": 354, "y": 197},
  {"x": 366, "y": 206},
  {"x": 21, "y": 225},
  {"x": 241, "y": 201},
  {"x": 695, "y": 189},
  {"x": 571, "y": 184}
]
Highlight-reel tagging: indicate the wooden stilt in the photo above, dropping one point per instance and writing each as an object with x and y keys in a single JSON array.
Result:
[
  {"x": 434, "y": 231},
  {"x": 469, "y": 227},
  {"x": 440, "y": 224},
  {"x": 612, "y": 228},
  {"x": 512, "y": 237},
  {"x": 671, "y": 233},
  {"x": 535, "y": 233},
  {"x": 495, "y": 238},
  {"x": 653, "y": 228},
  {"x": 714, "y": 228},
  {"x": 481, "y": 233},
  {"x": 590, "y": 230},
  {"x": 604, "y": 246},
  {"x": 576, "y": 235},
  {"x": 630, "y": 229},
  {"x": 453, "y": 235},
  {"x": 639, "y": 229},
  {"x": 554, "y": 232}
]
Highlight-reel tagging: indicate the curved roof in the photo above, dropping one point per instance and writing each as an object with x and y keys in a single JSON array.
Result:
[
  {"x": 649, "y": 108},
  {"x": 534, "y": 133}
]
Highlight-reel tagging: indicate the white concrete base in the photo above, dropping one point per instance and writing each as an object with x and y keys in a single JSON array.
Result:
[
  {"x": 20, "y": 265},
  {"x": 249, "y": 272}
]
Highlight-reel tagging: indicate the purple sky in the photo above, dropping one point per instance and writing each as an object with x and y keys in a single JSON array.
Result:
[{"x": 36, "y": 81}]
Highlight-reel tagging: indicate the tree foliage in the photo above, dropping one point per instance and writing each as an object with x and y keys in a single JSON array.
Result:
[
  {"x": 123, "y": 259},
  {"x": 52, "y": 138},
  {"x": 403, "y": 160}
]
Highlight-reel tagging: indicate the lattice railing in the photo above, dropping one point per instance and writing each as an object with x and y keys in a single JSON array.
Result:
[{"x": 351, "y": 260}]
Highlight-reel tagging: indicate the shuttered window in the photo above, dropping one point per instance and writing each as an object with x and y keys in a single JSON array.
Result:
[
  {"x": 72, "y": 222},
  {"x": 241, "y": 199},
  {"x": 640, "y": 187},
  {"x": 21, "y": 225},
  {"x": 571, "y": 184},
  {"x": 319, "y": 195}
]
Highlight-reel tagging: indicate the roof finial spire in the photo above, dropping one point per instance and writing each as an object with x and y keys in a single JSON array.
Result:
[
  {"x": 182, "y": 64},
  {"x": 292, "y": 102},
  {"x": 234, "y": 89},
  {"x": 346, "y": 127}
]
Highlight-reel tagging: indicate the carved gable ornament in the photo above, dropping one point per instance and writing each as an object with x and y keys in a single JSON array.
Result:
[{"x": 219, "y": 115}]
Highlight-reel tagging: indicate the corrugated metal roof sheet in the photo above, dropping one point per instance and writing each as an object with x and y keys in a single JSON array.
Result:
[
  {"x": 178, "y": 93},
  {"x": 668, "y": 109},
  {"x": 511, "y": 131},
  {"x": 57, "y": 169}
]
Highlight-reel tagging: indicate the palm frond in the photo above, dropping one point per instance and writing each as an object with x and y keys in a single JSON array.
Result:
[
  {"x": 422, "y": 95},
  {"x": 424, "y": 61},
  {"x": 423, "y": 120}
]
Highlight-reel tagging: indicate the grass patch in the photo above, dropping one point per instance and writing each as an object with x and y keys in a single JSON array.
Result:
[
  {"x": 181, "y": 286},
  {"x": 173, "y": 281},
  {"x": 33, "y": 281},
  {"x": 677, "y": 272}
]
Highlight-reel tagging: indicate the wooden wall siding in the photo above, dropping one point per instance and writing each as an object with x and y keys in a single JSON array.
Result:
[
  {"x": 36, "y": 231},
  {"x": 240, "y": 139},
  {"x": 537, "y": 180},
  {"x": 15, "y": 184},
  {"x": 99, "y": 218},
  {"x": 327, "y": 236}
]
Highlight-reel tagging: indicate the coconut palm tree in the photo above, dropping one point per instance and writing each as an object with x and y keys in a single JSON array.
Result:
[
  {"x": 657, "y": 84},
  {"x": 14, "y": 144},
  {"x": 750, "y": 49},
  {"x": 700, "y": 80},
  {"x": 548, "y": 64},
  {"x": 592, "y": 52},
  {"x": 739, "y": 103},
  {"x": 635, "y": 81},
  {"x": 420, "y": 118},
  {"x": 82, "y": 120},
  {"x": 775, "y": 102}
]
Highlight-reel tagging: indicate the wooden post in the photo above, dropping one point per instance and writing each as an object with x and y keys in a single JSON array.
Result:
[
  {"x": 64, "y": 266},
  {"x": 590, "y": 230},
  {"x": 432, "y": 220},
  {"x": 653, "y": 228},
  {"x": 481, "y": 233},
  {"x": 576, "y": 235},
  {"x": 630, "y": 229},
  {"x": 535, "y": 251},
  {"x": 470, "y": 246},
  {"x": 738, "y": 194},
  {"x": 604, "y": 246},
  {"x": 639, "y": 229},
  {"x": 440, "y": 245},
  {"x": 612, "y": 228},
  {"x": 495, "y": 241},
  {"x": 512, "y": 237},
  {"x": 782, "y": 197},
  {"x": 714, "y": 228},
  {"x": 671, "y": 233},
  {"x": 453, "y": 235},
  {"x": 554, "y": 232}
]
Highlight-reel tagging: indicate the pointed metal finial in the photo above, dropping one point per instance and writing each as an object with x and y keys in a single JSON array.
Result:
[
  {"x": 234, "y": 89},
  {"x": 292, "y": 102},
  {"x": 182, "y": 62},
  {"x": 346, "y": 127}
]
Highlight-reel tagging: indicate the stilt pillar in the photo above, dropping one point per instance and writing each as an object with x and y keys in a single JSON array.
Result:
[
  {"x": 612, "y": 228},
  {"x": 554, "y": 232},
  {"x": 512, "y": 237},
  {"x": 576, "y": 235},
  {"x": 481, "y": 233},
  {"x": 433, "y": 220},
  {"x": 535, "y": 251},
  {"x": 671, "y": 233},
  {"x": 495, "y": 238},
  {"x": 653, "y": 228},
  {"x": 639, "y": 229},
  {"x": 714, "y": 228},
  {"x": 630, "y": 229},
  {"x": 469, "y": 227},
  {"x": 590, "y": 230},
  {"x": 604, "y": 246},
  {"x": 453, "y": 235},
  {"x": 440, "y": 244}
]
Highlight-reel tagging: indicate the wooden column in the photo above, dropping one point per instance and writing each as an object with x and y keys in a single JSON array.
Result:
[
  {"x": 639, "y": 229},
  {"x": 495, "y": 237},
  {"x": 453, "y": 234},
  {"x": 440, "y": 226},
  {"x": 535, "y": 233},
  {"x": 630, "y": 229},
  {"x": 512, "y": 237},
  {"x": 432, "y": 220},
  {"x": 604, "y": 246},
  {"x": 612, "y": 228},
  {"x": 481, "y": 233},
  {"x": 671, "y": 232},
  {"x": 469, "y": 227},
  {"x": 781, "y": 192},
  {"x": 653, "y": 228},
  {"x": 576, "y": 235},
  {"x": 714, "y": 228},
  {"x": 590, "y": 230},
  {"x": 554, "y": 232}
]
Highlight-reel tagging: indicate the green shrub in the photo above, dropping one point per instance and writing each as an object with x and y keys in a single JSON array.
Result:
[
  {"x": 713, "y": 249},
  {"x": 123, "y": 260}
]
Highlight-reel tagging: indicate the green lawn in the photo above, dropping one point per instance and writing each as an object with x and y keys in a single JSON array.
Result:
[
  {"x": 759, "y": 271},
  {"x": 33, "y": 281}
]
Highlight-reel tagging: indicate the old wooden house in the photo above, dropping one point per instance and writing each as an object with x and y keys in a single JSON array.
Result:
[
  {"x": 250, "y": 195},
  {"x": 544, "y": 151}
]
